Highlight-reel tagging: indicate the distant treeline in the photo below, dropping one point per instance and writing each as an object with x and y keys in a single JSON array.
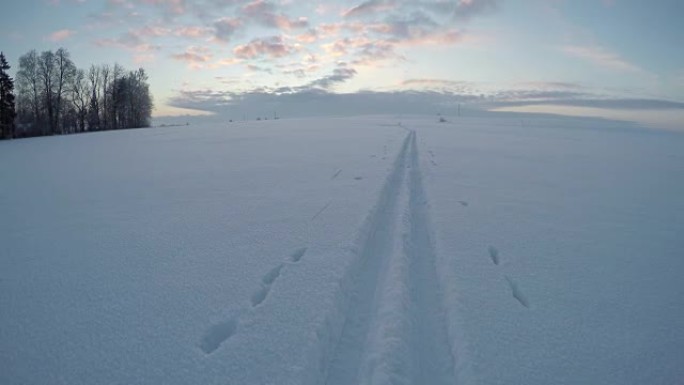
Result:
[{"x": 54, "y": 97}]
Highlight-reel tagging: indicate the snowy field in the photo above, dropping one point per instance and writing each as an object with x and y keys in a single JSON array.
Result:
[{"x": 376, "y": 250}]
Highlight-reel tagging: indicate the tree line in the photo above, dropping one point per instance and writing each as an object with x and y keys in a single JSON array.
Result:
[{"x": 54, "y": 97}]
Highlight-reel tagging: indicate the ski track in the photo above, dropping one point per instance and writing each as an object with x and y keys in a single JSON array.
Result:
[
  {"x": 395, "y": 329},
  {"x": 431, "y": 347}
]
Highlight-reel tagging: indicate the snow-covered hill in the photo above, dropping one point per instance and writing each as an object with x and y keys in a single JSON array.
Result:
[{"x": 375, "y": 250}]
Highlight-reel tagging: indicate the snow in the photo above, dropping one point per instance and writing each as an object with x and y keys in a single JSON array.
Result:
[{"x": 369, "y": 250}]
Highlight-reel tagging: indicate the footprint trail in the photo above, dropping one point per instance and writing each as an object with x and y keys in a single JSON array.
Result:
[{"x": 222, "y": 331}]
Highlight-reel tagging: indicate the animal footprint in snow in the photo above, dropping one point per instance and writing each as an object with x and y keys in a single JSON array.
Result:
[
  {"x": 517, "y": 293},
  {"x": 494, "y": 254},
  {"x": 218, "y": 334},
  {"x": 297, "y": 254},
  {"x": 267, "y": 281}
]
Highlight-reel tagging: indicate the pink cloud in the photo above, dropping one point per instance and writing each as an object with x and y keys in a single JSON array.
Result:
[
  {"x": 229, "y": 61},
  {"x": 308, "y": 37},
  {"x": 194, "y": 56},
  {"x": 438, "y": 38},
  {"x": 191, "y": 32},
  {"x": 273, "y": 47},
  {"x": 152, "y": 31},
  {"x": 600, "y": 56},
  {"x": 366, "y": 51},
  {"x": 60, "y": 35}
]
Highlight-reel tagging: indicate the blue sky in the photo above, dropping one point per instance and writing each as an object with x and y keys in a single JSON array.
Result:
[{"x": 609, "y": 58}]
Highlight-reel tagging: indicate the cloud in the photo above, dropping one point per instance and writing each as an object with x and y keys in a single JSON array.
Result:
[
  {"x": 273, "y": 47},
  {"x": 409, "y": 24},
  {"x": 143, "y": 58},
  {"x": 129, "y": 41},
  {"x": 444, "y": 85},
  {"x": 315, "y": 98},
  {"x": 370, "y": 7},
  {"x": 316, "y": 102},
  {"x": 372, "y": 52},
  {"x": 194, "y": 56},
  {"x": 467, "y": 9},
  {"x": 172, "y": 7},
  {"x": 307, "y": 37},
  {"x": 56, "y": 3},
  {"x": 550, "y": 85},
  {"x": 151, "y": 31},
  {"x": 60, "y": 35},
  {"x": 386, "y": 29},
  {"x": 265, "y": 13},
  {"x": 605, "y": 103},
  {"x": 228, "y": 61},
  {"x": 256, "y": 68},
  {"x": 600, "y": 56},
  {"x": 406, "y": 27},
  {"x": 308, "y": 65},
  {"x": 461, "y": 10},
  {"x": 449, "y": 37},
  {"x": 363, "y": 49},
  {"x": 339, "y": 75},
  {"x": 191, "y": 32},
  {"x": 225, "y": 28}
]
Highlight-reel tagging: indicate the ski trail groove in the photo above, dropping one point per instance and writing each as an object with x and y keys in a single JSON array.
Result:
[
  {"x": 431, "y": 350},
  {"x": 395, "y": 330},
  {"x": 375, "y": 243}
]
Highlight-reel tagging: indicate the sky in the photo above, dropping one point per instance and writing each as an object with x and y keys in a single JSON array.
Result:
[{"x": 616, "y": 59}]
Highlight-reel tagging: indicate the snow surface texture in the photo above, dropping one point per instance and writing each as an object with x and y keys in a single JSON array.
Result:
[{"x": 371, "y": 250}]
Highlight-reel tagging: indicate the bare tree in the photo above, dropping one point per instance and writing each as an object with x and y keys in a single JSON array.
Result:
[
  {"x": 95, "y": 81},
  {"x": 28, "y": 89},
  {"x": 58, "y": 98},
  {"x": 46, "y": 70},
  {"x": 64, "y": 74},
  {"x": 115, "y": 97},
  {"x": 106, "y": 75},
  {"x": 141, "y": 99},
  {"x": 80, "y": 99}
]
